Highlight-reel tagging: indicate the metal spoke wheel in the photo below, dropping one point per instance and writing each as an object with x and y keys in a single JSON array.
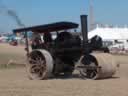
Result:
[
  {"x": 89, "y": 73},
  {"x": 39, "y": 65},
  {"x": 91, "y": 70}
]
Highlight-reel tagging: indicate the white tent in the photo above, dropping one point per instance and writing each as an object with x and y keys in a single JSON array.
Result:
[{"x": 110, "y": 33}]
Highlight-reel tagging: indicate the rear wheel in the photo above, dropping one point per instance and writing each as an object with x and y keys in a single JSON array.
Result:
[{"x": 40, "y": 65}]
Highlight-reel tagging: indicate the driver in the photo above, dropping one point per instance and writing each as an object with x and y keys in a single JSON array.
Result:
[{"x": 37, "y": 42}]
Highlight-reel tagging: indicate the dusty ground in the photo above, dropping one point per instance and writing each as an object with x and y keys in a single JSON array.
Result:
[
  {"x": 11, "y": 53},
  {"x": 14, "y": 81}
]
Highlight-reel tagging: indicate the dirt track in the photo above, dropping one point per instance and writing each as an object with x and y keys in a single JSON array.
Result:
[{"x": 14, "y": 82}]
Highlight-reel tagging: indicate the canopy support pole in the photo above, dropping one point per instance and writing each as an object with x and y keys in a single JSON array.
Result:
[{"x": 27, "y": 45}]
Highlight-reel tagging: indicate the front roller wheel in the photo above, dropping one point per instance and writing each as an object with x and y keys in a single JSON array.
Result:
[
  {"x": 40, "y": 65},
  {"x": 98, "y": 66}
]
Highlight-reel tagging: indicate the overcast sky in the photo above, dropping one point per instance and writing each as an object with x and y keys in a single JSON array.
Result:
[{"x": 35, "y": 12}]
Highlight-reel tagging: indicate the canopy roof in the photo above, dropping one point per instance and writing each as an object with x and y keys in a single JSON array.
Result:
[{"x": 49, "y": 27}]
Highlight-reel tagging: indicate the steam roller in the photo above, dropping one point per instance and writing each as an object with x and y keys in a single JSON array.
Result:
[
  {"x": 59, "y": 56},
  {"x": 97, "y": 66}
]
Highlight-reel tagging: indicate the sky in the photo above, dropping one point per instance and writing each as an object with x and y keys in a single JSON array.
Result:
[{"x": 36, "y": 12}]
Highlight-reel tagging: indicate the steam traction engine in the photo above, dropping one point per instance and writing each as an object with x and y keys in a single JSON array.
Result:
[{"x": 67, "y": 52}]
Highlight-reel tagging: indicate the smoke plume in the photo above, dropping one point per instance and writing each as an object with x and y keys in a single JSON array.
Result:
[
  {"x": 11, "y": 13},
  {"x": 15, "y": 17}
]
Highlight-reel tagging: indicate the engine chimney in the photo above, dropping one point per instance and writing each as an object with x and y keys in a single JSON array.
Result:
[{"x": 84, "y": 29}]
